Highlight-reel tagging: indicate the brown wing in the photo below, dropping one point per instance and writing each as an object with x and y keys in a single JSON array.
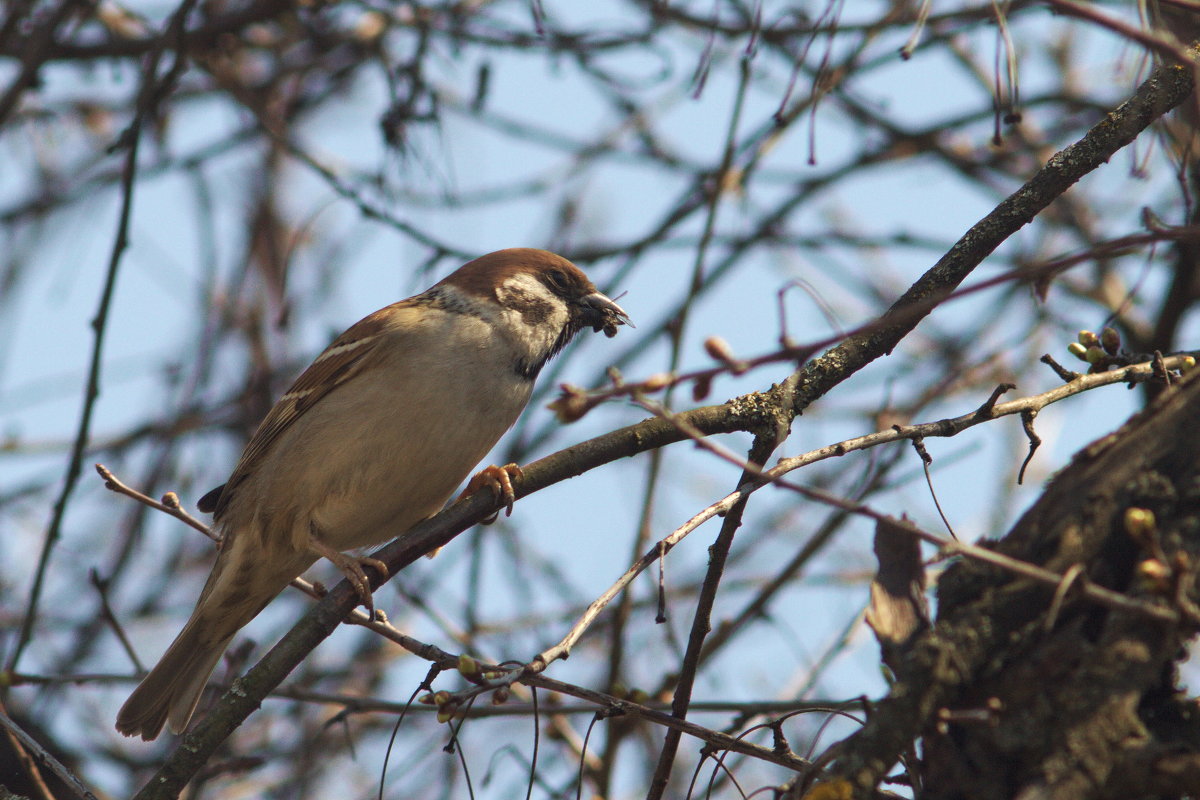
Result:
[{"x": 341, "y": 361}]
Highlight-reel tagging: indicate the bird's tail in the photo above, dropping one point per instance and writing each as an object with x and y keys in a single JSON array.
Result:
[
  {"x": 170, "y": 692},
  {"x": 241, "y": 584}
]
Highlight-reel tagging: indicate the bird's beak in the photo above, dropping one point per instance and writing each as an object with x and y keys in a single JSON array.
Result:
[{"x": 603, "y": 314}]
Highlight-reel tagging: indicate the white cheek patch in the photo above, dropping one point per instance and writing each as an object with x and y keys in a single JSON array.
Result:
[
  {"x": 535, "y": 305},
  {"x": 532, "y": 317}
]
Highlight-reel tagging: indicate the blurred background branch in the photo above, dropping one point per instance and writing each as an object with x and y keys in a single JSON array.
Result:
[{"x": 267, "y": 172}]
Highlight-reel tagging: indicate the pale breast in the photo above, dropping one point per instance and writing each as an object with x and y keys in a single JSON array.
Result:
[{"x": 435, "y": 406}]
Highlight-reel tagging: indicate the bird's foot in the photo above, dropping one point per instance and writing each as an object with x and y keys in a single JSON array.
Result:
[
  {"x": 499, "y": 480},
  {"x": 352, "y": 567}
]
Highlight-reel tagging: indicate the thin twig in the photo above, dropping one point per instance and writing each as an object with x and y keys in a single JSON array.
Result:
[
  {"x": 172, "y": 507},
  {"x": 27, "y": 762},
  {"x": 150, "y": 94},
  {"x": 45, "y": 757}
]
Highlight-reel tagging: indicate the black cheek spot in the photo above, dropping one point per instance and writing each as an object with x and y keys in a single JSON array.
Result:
[{"x": 534, "y": 310}]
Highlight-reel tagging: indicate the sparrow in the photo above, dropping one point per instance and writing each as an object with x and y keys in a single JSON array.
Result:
[{"x": 374, "y": 436}]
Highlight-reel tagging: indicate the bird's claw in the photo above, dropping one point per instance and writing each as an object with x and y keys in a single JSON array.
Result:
[
  {"x": 499, "y": 480},
  {"x": 352, "y": 567}
]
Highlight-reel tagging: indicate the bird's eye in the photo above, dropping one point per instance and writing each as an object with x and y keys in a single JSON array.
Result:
[{"x": 559, "y": 279}]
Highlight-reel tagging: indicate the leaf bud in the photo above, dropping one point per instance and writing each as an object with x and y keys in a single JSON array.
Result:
[
  {"x": 1140, "y": 523},
  {"x": 1110, "y": 340}
]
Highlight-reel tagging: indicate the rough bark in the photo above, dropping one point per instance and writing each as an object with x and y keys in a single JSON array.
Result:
[{"x": 1023, "y": 691}]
